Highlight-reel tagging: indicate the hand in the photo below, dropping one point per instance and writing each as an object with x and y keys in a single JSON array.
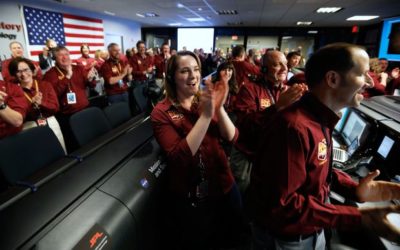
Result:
[
  {"x": 45, "y": 51},
  {"x": 130, "y": 69},
  {"x": 291, "y": 95},
  {"x": 221, "y": 90},
  {"x": 370, "y": 190},
  {"x": 384, "y": 77},
  {"x": 94, "y": 63},
  {"x": 395, "y": 73},
  {"x": 149, "y": 70},
  {"x": 2, "y": 97},
  {"x": 375, "y": 220},
  {"x": 207, "y": 101},
  {"x": 69, "y": 72},
  {"x": 37, "y": 99}
]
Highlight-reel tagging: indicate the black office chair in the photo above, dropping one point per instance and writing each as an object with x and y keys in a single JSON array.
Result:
[
  {"x": 88, "y": 124},
  {"x": 140, "y": 96},
  {"x": 118, "y": 113},
  {"x": 26, "y": 152}
]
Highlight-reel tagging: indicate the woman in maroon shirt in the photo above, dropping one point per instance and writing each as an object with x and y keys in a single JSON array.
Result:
[
  {"x": 227, "y": 69},
  {"x": 188, "y": 124},
  {"x": 39, "y": 95}
]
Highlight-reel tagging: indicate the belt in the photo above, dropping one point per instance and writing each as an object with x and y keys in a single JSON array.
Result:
[{"x": 299, "y": 237}]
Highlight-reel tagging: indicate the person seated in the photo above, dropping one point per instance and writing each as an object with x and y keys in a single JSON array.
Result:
[
  {"x": 117, "y": 75},
  {"x": 12, "y": 109},
  {"x": 39, "y": 94},
  {"x": 203, "y": 202},
  {"x": 17, "y": 51}
]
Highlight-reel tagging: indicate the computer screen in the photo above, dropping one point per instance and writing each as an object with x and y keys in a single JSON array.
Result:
[
  {"x": 345, "y": 112},
  {"x": 355, "y": 127},
  {"x": 385, "y": 147}
]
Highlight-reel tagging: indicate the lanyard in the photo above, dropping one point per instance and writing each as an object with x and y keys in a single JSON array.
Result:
[
  {"x": 328, "y": 144},
  {"x": 59, "y": 71},
  {"x": 37, "y": 91}
]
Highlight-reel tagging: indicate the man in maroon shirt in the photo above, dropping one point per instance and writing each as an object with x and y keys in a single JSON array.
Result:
[
  {"x": 255, "y": 104},
  {"x": 70, "y": 83},
  {"x": 16, "y": 51},
  {"x": 245, "y": 71},
  {"x": 160, "y": 61},
  {"x": 12, "y": 109},
  {"x": 141, "y": 64},
  {"x": 293, "y": 171},
  {"x": 117, "y": 74}
]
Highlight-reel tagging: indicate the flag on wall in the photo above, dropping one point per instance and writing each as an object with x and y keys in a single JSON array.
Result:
[{"x": 66, "y": 29}]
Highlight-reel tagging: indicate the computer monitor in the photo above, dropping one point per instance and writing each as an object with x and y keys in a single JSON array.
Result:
[
  {"x": 345, "y": 113},
  {"x": 385, "y": 147},
  {"x": 354, "y": 128}
]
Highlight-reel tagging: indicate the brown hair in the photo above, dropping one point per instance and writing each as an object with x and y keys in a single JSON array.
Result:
[
  {"x": 233, "y": 86},
  {"x": 13, "y": 66},
  {"x": 172, "y": 66}
]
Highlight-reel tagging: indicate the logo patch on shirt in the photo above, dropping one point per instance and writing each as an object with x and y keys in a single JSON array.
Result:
[
  {"x": 265, "y": 103},
  {"x": 175, "y": 116},
  {"x": 322, "y": 150}
]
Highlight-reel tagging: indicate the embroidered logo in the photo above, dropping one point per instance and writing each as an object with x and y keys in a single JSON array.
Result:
[
  {"x": 265, "y": 103},
  {"x": 322, "y": 150},
  {"x": 175, "y": 116}
]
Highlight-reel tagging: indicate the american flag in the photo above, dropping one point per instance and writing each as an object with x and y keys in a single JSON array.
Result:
[{"x": 66, "y": 29}]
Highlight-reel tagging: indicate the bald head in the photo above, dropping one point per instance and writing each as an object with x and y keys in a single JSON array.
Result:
[{"x": 276, "y": 67}]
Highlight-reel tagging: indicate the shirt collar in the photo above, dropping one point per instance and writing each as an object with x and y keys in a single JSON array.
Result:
[{"x": 321, "y": 112}]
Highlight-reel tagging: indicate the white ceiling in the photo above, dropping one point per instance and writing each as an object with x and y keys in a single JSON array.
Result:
[{"x": 255, "y": 13}]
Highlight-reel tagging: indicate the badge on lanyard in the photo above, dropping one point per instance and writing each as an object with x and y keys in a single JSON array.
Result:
[
  {"x": 41, "y": 122},
  {"x": 71, "y": 98},
  {"x": 121, "y": 83}
]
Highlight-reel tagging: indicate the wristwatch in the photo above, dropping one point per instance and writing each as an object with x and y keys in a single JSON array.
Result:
[{"x": 3, "y": 106}]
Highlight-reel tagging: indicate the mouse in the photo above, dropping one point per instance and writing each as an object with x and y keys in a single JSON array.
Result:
[{"x": 394, "y": 219}]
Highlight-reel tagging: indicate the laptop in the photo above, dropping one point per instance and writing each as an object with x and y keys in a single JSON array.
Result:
[{"x": 342, "y": 155}]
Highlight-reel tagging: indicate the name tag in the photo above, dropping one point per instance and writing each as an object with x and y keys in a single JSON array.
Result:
[{"x": 71, "y": 98}]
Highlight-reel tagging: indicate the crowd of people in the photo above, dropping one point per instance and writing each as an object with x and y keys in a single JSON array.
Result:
[{"x": 260, "y": 128}]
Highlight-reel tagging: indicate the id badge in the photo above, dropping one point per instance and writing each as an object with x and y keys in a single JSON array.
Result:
[
  {"x": 121, "y": 83},
  {"x": 41, "y": 122},
  {"x": 71, "y": 98}
]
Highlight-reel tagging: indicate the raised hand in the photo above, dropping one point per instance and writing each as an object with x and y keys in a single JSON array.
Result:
[
  {"x": 370, "y": 190},
  {"x": 207, "y": 100},
  {"x": 37, "y": 99},
  {"x": 291, "y": 95},
  {"x": 221, "y": 90}
]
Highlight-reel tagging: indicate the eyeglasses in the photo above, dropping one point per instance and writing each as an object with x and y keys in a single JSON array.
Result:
[{"x": 27, "y": 70}]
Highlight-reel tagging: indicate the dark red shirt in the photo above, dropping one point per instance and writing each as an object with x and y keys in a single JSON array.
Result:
[
  {"x": 392, "y": 85},
  {"x": 253, "y": 106},
  {"x": 378, "y": 88},
  {"x": 16, "y": 101},
  {"x": 110, "y": 69},
  {"x": 76, "y": 84},
  {"x": 160, "y": 62},
  {"x": 289, "y": 185},
  {"x": 85, "y": 62},
  {"x": 9, "y": 78},
  {"x": 49, "y": 104},
  {"x": 171, "y": 125},
  {"x": 139, "y": 65},
  {"x": 246, "y": 72}
]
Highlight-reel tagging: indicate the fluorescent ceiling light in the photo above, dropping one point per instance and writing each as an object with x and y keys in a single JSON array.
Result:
[
  {"x": 199, "y": 9},
  {"x": 328, "y": 9},
  {"x": 196, "y": 19},
  {"x": 109, "y": 13},
  {"x": 150, "y": 14},
  {"x": 361, "y": 18},
  {"x": 286, "y": 37},
  {"x": 139, "y": 15},
  {"x": 175, "y": 24},
  {"x": 313, "y": 32},
  {"x": 304, "y": 23},
  {"x": 179, "y": 5}
]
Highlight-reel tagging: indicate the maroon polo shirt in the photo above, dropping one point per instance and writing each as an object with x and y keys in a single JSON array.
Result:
[
  {"x": 140, "y": 64},
  {"x": 76, "y": 84},
  {"x": 289, "y": 185},
  {"x": 254, "y": 106},
  {"x": 85, "y": 62},
  {"x": 110, "y": 69},
  {"x": 9, "y": 78},
  {"x": 49, "y": 104},
  {"x": 160, "y": 62},
  {"x": 171, "y": 125},
  {"x": 16, "y": 101},
  {"x": 378, "y": 88},
  {"x": 243, "y": 69}
]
